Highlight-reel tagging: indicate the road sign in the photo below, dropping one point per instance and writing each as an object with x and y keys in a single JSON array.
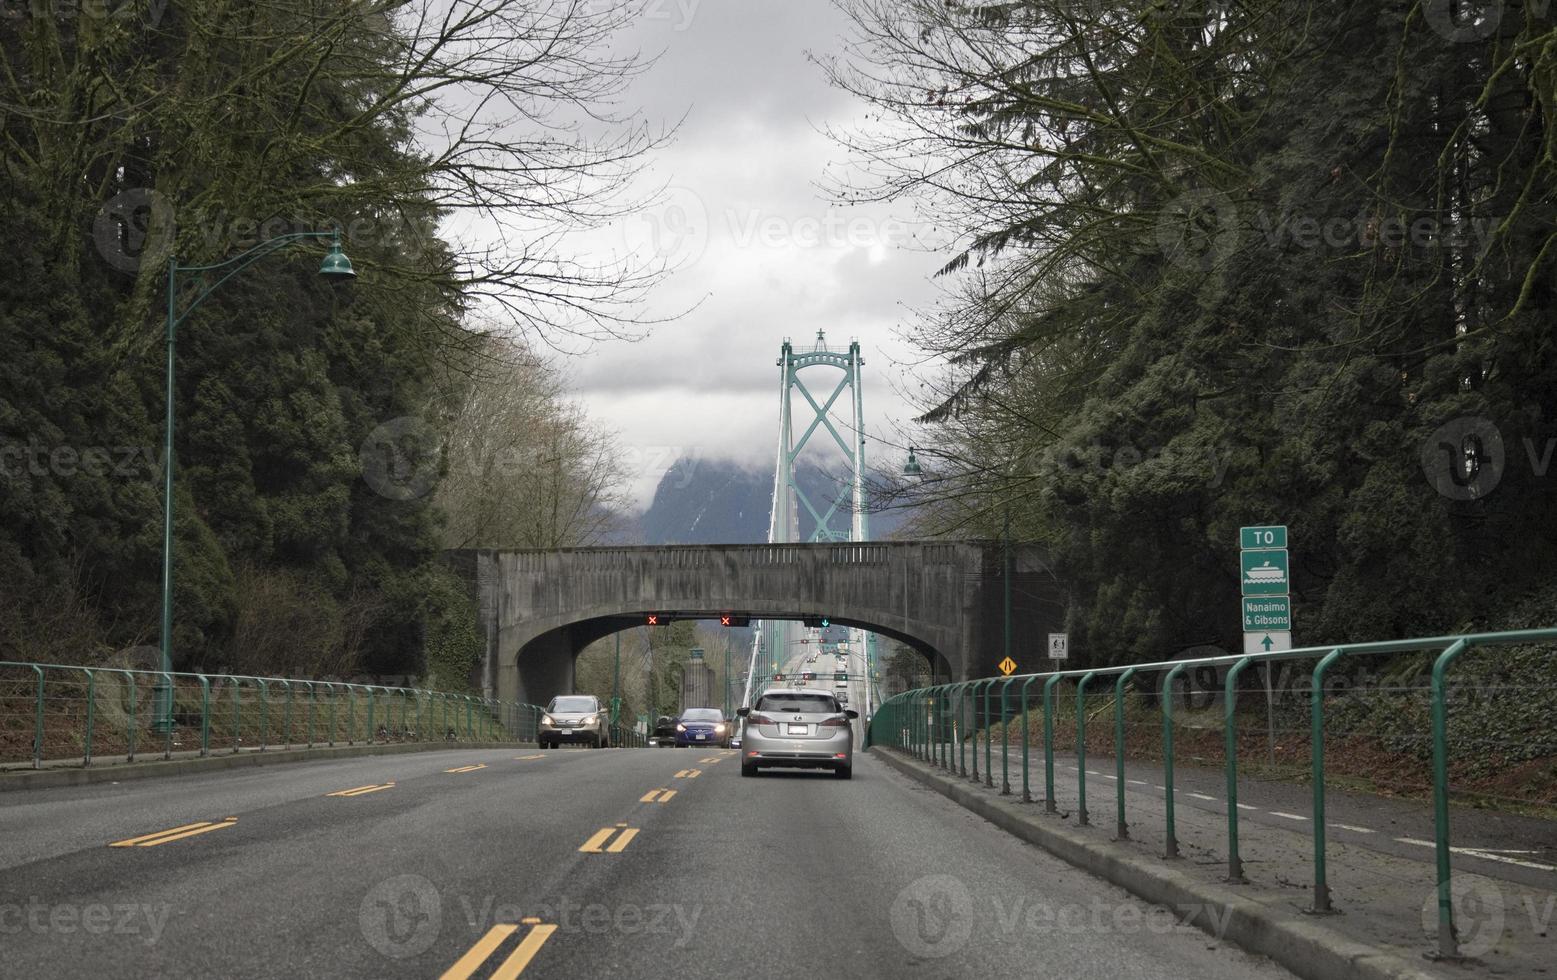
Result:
[
  {"x": 1059, "y": 646},
  {"x": 1270, "y": 538},
  {"x": 1264, "y": 613},
  {"x": 1007, "y": 666},
  {"x": 1267, "y": 642},
  {"x": 1264, "y": 572},
  {"x": 840, "y": 676}
]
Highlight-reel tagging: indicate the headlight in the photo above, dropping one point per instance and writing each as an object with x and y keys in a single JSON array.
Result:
[
  {"x": 680, "y": 727},
  {"x": 589, "y": 720},
  {"x": 547, "y": 720},
  {"x": 719, "y": 729}
]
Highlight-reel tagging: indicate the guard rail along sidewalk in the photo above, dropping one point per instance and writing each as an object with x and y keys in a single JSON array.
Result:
[
  {"x": 53, "y": 712},
  {"x": 935, "y": 724}
]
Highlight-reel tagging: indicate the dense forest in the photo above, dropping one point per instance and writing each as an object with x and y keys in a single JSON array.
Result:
[
  {"x": 1232, "y": 263},
  {"x": 332, "y": 438}
]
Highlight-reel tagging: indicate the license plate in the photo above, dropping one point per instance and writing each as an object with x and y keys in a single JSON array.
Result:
[
  {"x": 701, "y": 738},
  {"x": 798, "y": 729}
]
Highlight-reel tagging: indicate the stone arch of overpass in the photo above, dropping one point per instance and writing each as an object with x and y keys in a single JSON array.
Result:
[
  {"x": 544, "y": 665},
  {"x": 537, "y": 610}
]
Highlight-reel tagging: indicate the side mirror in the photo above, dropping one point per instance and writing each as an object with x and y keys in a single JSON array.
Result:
[
  {"x": 742, "y": 712},
  {"x": 851, "y": 713}
]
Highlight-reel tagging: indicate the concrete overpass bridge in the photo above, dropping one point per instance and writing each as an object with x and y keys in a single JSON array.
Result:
[{"x": 539, "y": 609}]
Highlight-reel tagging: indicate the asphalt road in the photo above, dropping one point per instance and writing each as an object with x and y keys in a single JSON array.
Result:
[{"x": 571, "y": 863}]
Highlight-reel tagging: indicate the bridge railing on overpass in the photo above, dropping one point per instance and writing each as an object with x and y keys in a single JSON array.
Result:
[
  {"x": 944, "y": 725},
  {"x": 52, "y": 713}
]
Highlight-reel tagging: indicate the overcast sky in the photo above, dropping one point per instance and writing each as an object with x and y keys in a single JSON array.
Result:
[{"x": 755, "y": 239}]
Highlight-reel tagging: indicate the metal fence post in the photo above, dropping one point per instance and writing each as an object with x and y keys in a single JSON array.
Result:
[
  {"x": 237, "y": 715},
  {"x": 1230, "y": 728},
  {"x": 1081, "y": 747},
  {"x": 1121, "y": 829},
  {"x": 205, "y": 715},
  {"x": 37, "y": 728},
  {"x": 1027, "y": 796},
  {"x": 1048, "y": 744},
  {"x": 1005, "y": 737},
  {"x": 91, "y": 705},
  {"x": 989, "y": 739},
  {"x": 264, "y": 692},
  {"x": 1448, "y": 944},
  {"x": 1317, "y": 722},
  {"x": 167, "y": 739},
  {"x": 1171, "y": 848},
  {"x": 130, "y": 731}
]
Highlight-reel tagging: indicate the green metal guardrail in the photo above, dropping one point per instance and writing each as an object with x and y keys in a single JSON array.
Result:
[
  {"x": 936, "y": 724},
  {"x": 54, "y": 712}
]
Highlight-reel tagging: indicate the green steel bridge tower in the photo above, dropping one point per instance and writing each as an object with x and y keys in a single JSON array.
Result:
[{"x": 846, "y": 517}]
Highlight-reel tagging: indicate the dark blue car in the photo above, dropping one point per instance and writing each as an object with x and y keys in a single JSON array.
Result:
[{"x": 702, "y": 726}]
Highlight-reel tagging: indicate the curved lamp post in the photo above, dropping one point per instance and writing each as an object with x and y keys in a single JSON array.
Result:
[{"x": 335, "y": 266}]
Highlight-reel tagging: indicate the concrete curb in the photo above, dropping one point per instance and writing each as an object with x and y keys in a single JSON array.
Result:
[
  {"x": 42, "y": 779},
  {"x": 1300, "y": 943}
]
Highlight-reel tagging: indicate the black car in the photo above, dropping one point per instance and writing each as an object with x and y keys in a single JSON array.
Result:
[{"x": 664, "y": 732}]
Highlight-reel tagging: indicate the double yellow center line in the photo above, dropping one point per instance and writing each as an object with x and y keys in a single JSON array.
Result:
[
  {"x": 479, "y": 765},
  {"x": 689, "y": 774},
  {"x": 362, "y": 790},
  {"x": 176, "y": 833},
  {"x": 514, "y": 965},
  {"x": 599, "y": 838},
  {"x": 657, "y": 796}
]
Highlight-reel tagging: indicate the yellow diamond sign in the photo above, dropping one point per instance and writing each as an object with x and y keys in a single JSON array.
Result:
[{"x": 1007, "y": 666}]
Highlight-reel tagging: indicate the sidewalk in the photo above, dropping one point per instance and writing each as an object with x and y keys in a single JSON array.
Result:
[{"x": 1379, "y": 856}]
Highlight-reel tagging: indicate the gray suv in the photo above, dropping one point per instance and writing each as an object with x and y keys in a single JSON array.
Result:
[
  {"x": 575, "y": 718},
  {"x": 797, "y": 728}
]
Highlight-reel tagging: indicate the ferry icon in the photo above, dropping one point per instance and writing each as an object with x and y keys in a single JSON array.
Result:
[{"x": 1265, "y": 573}]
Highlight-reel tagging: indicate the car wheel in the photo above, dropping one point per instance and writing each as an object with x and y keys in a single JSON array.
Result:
[
  {"x": 844, "y": 772},
  {"x": 747, "y": 769}
]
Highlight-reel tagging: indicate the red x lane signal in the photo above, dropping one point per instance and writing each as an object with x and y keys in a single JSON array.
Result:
[{"x": 653, "y": 619}]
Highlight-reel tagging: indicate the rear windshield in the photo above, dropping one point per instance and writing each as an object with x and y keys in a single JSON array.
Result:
[
  {"x": 702, "y": 714},
  {"x": 572, "y": 704},
  {"x": 813, "y": 703}
]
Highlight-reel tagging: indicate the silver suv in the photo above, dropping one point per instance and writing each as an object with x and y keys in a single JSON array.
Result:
[
  {"x": 575, "y": 718},
  {"x": 797, "y": 728}
]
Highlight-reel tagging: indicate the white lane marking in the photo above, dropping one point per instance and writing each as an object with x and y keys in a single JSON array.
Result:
[
  {"x": 1286, "y": 816},
  {"x": 1093, "y": 772},
  {"x": 1138, "y": 782},
  {"x": 1245, "y": 806},
  {"x": 1353, "y": 828},
  {"x": 1107, "y": 776},
  {"x": 1479, "y": 853},
  {"x": 1201, "y": 796}
]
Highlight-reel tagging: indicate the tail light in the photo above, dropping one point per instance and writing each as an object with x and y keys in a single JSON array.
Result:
[
  {"x": 841, "y": 721},
  {"x": 757, "y": 719}
]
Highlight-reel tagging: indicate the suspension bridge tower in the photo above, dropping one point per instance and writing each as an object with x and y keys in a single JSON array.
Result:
[{"x": 844, "y": 516}]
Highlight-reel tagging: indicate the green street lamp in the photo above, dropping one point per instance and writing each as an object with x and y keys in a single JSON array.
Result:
[
  {"x": 336, "y": 266},
  {"x": 912, "y": 468}
]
